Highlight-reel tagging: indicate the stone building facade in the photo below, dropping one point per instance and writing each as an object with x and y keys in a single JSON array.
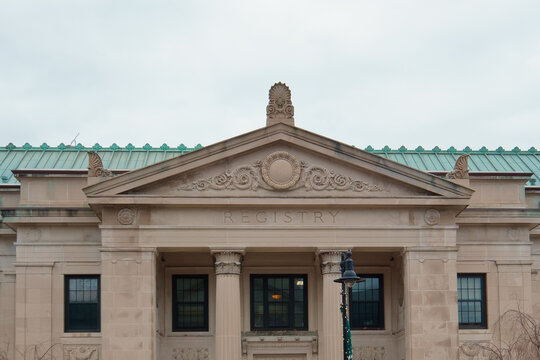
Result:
[{"x": 231, "y": 252}]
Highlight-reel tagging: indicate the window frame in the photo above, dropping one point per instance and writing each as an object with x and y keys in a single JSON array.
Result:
[
  {"x": 291, "y": 301},
  {"x": 483, "y": 282},
  {"x": 174, "y": 310},
  {"x": 381, "y": 322},
  {"x": 67, "y": 303}
]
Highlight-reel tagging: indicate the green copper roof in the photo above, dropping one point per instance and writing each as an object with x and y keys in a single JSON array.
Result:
[{"x": 130, "y": 157}]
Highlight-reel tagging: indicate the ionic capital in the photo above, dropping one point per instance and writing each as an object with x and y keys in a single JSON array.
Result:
[
  {"x": 228, "y": 261},
  {"x": 330, "y": 261}
]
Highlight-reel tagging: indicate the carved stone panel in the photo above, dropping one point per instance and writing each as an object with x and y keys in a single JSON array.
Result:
[
  {"x": 369, "y": 352},
  {"x": 190, "y": 354},
  {"x": 81, "y": 352},
  {"x": 279, "y": 357}
]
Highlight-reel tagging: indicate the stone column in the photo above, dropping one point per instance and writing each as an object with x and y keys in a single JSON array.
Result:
[
  {"x": 331, "y": 328},
  {"x": 431, "y": 319},
  {"x": 228, "y": 317},
  {"x": 128, "y": 303}
]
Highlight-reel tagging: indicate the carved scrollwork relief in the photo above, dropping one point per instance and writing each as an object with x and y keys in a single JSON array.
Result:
[
  {"x": 470, "y": 351},
  {"x": 190, "y": 354},
  {"x": 369, "y": 353},
  {"x": 281, "y": 171},
  {"x": 81, "y": 352},
  {"x": 284, "y": 357}
]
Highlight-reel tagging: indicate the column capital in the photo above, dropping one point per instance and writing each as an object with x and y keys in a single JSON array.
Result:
[
  {"x": 330, "y": 261},
  {"x": 228, "y": 261}
]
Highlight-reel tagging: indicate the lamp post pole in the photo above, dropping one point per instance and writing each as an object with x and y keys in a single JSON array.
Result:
[{"x": 348, "y": 279}]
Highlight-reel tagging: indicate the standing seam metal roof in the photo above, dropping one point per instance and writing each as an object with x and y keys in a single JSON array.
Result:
[{"x": 131, "y": 157}]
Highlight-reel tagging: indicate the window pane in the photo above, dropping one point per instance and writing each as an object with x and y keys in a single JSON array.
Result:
[
  {"x": 471, "y": 301},
  {"x": 190, "y": 304},
  {"x": 278, "y": 302},
  {"x": 366, "y": 303},
  {"x": 82, "y": 312}
]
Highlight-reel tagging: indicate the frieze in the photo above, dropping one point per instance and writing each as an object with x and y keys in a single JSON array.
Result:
[
  {"x": 190, "y": 354},
  {"x": 369, "y": 353},
  {"x": 81, "y": 352},
  {"x": 281, "y": 171}
]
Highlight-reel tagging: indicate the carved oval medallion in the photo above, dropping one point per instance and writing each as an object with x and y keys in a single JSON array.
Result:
[
  {"x": 126, "y": 216},
  {"x": 281, "y": 170},
  {"x": 432, "y": 217}
]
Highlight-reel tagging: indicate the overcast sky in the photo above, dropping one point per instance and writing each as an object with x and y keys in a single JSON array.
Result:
[{"x": 462, "y": 72}]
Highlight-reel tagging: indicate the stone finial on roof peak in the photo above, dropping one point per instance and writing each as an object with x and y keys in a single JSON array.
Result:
[{"x": 279, "y": 108}]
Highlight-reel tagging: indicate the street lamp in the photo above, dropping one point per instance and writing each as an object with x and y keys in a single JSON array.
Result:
[{"x": 348, "y": 279}]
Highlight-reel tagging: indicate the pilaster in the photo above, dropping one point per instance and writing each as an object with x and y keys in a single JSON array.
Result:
[
  {"x": 431, "y": 319},
  {"x": 33, "y": 310},
  {"x": 228, "y": 318},
  {"x": 331, "y": 329},
  {"x": 128, "y": 310}
]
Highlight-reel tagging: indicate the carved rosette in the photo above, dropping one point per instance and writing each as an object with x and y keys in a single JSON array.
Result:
[
  {"x": 126, "y": 216},
  {"x": 228, "y": 262},
  {"x": 95, "y": 166},
  {"x": 281, "y": 170},
  {"x": 330, "y": 262},
  {"x": 190, "y": 354},
  {"x": 432, "y": 217},
  {"x": 81, "y": 352}
]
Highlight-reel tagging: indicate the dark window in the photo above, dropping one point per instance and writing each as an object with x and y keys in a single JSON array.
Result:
[
  {"x": 472, "y": 301},
  {"x": 190, "y": 303},
  {"x": 82, "y": 303},
  {"x": 279, "y": 302},
  {"x": 366, "y": 303}
]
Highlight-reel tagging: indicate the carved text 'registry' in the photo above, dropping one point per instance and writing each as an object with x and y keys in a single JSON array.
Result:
[{"x": 259, "y": 217}]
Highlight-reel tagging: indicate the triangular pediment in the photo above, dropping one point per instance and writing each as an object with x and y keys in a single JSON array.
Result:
[{"x": 278, "y": 161}]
